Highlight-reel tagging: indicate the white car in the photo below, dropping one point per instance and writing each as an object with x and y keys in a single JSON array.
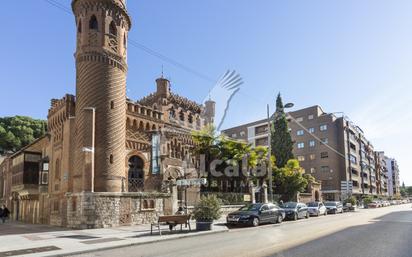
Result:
[{"x": 316, "y": 209}]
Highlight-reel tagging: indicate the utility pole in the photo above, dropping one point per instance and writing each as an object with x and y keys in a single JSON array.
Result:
[{"x": 269, "y": 159}]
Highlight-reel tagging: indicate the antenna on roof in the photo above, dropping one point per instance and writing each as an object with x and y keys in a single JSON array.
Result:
[{"x": 162, "y": 70}]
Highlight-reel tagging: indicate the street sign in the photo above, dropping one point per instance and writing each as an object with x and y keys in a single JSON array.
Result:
[{"x": 191, "y": 182}]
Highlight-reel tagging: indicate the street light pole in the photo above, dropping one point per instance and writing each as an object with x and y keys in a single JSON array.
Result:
[{"x": 269, "y": 159}]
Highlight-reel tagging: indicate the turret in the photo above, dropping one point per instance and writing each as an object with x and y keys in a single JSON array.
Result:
[{"x": 100, "y": 134}]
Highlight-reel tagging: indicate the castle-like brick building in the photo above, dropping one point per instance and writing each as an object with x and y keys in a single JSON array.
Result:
[{"x": 106, "y": 160}]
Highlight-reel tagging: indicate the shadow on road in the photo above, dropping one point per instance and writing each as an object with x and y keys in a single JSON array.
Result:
[{"x": 386, "y": 236}]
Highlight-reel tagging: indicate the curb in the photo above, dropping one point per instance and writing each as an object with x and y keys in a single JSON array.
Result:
[{"x": 138, "y": 243}]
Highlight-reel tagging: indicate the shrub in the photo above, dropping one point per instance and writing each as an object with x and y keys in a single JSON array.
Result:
[
  {"x": 208, "y": 209},
  {"x": 351, "y": 200}
]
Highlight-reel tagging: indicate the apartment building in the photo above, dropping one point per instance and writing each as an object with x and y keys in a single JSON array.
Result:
[
  {"x": 382, "y": 174},
  {"x": 393, "y": 176},
  {"x": 329, "y": 147}
]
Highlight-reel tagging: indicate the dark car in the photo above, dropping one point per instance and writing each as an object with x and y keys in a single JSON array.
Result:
[
  {"x": 295, "y": 210},
  {"x": 255, "y": 214},
  {"x": 334, "y": 207}
]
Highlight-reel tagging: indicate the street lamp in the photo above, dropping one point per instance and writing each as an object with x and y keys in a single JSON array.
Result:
[{"x": 277, "y": 114}]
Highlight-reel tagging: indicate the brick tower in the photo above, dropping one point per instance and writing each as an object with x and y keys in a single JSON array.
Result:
[{"x": 100, "y": 125}]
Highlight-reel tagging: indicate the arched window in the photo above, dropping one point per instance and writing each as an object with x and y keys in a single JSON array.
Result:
[
  {"x": 79, "y": 27},
  {"x": 113, "y": 29},
  {"x": 93, "y": 23},
  {"x": 182, "y": 115},
  {"x": 172, "y": 113},
  {"x": 135, "y": 174},
  {"x": 57, "y": 169}
]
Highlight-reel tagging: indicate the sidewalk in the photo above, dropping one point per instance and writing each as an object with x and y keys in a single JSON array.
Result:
[{"x": 65, "y": 242}]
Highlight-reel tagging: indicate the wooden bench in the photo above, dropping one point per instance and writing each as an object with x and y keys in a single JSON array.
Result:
[{"x": 172, "y": 221}]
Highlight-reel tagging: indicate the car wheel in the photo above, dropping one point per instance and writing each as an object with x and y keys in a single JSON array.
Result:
[
  {"x": 280, "y": 219},
  {"x": 255, "y": 222},
  {"x": 307, "y": 215},
  {"x": 295, "y": 217},
  {"x": 326, "y": 213}
]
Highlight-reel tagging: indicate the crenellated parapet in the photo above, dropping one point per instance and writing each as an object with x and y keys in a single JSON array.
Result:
[{"x": 60, "y": 110}]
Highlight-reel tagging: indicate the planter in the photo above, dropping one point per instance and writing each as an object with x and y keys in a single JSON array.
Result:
[{"x": 204, "y": 225}]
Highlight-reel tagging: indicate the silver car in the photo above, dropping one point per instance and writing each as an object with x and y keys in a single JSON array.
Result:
[{"x": 317, "y": 208}]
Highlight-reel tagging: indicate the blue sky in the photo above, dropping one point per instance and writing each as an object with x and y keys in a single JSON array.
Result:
[{"x": 351, "y": 56}]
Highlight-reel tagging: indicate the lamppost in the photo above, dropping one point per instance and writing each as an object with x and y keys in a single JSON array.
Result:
[{"x": 277, "y": 115}]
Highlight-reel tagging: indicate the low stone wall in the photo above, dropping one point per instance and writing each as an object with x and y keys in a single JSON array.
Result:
[{"x": 102, "y": 210}]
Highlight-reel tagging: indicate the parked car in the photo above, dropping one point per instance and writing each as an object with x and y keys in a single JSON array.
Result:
[
  {"x": 348, "y": 207},
  {"x": 316, "y": 208},
  {"x": 295, "y": 211},
  {"x": 256, "y": 214},
  {"x": 334, "y": 207},
  {"x": 385, "y": 203},
  {"x": 375, "y": 204},
  {"x": 394, "y": 202}
]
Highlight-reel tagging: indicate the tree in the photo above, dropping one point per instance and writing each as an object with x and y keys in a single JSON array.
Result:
[
  {"x": 290, "y": 180},
  {"x": 19, "y": 131},
  {"x": 281, "y": 140},
  {"x": 231, "y": 152}
]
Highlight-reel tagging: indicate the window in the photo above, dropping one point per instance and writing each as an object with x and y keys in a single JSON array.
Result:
[
  {"x": 353, "y": 159},
  {"x": 300, "y": 132},
  {"x": 301, "y": 145},
  {"x": 93, "y": 23},
  {"x": 312, "y": 157},
  {"x": 301, "y": 158},
  {"x": 111, "y": 104},
  {"x": 112, "y": 29},
  {"x": 324, "y": 155},
  {"x": 299, "y": 119},
  {"x": 312, "y": 170},
  {"x": 323, "y": 127},
  {"x": 311, "y": 130},
  {"x": 57, "y": 169},
  {"x": 312, "y": 143},
  {"x": 324, "y": 169},
  {"x": 325, "y": 141},
  {"x": 111, "y": 159},
  {"x": 242, "y": 133},
  {"x": 79, "y": 27},
  {"x": 310, "y": 117},
  {"x": 234, "y": 135}
]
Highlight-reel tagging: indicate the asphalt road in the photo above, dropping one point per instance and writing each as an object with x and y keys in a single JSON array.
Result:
[{"x": 383, "y": 232}]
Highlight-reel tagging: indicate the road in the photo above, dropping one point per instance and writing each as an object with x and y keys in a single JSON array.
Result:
[{"x": 383, "y": 232}]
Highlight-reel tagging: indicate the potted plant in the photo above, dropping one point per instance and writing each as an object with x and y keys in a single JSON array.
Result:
[{"x": 207, "y": 210}]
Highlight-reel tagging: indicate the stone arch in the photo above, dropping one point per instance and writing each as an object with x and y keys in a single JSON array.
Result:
[
  {"x": 134, "y": 124},
  {"x": 136, "y": 166},
  {"x": 147, "y": 126},
  {"x": 128, "y": 122},
  {"x": 141, "y": 125},
  {"x": 154, "y": 127}
]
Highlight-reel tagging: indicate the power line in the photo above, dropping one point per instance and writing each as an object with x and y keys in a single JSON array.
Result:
[
  {"x": 146, "y": 49},
  {"x": 189, "y": 70}
]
